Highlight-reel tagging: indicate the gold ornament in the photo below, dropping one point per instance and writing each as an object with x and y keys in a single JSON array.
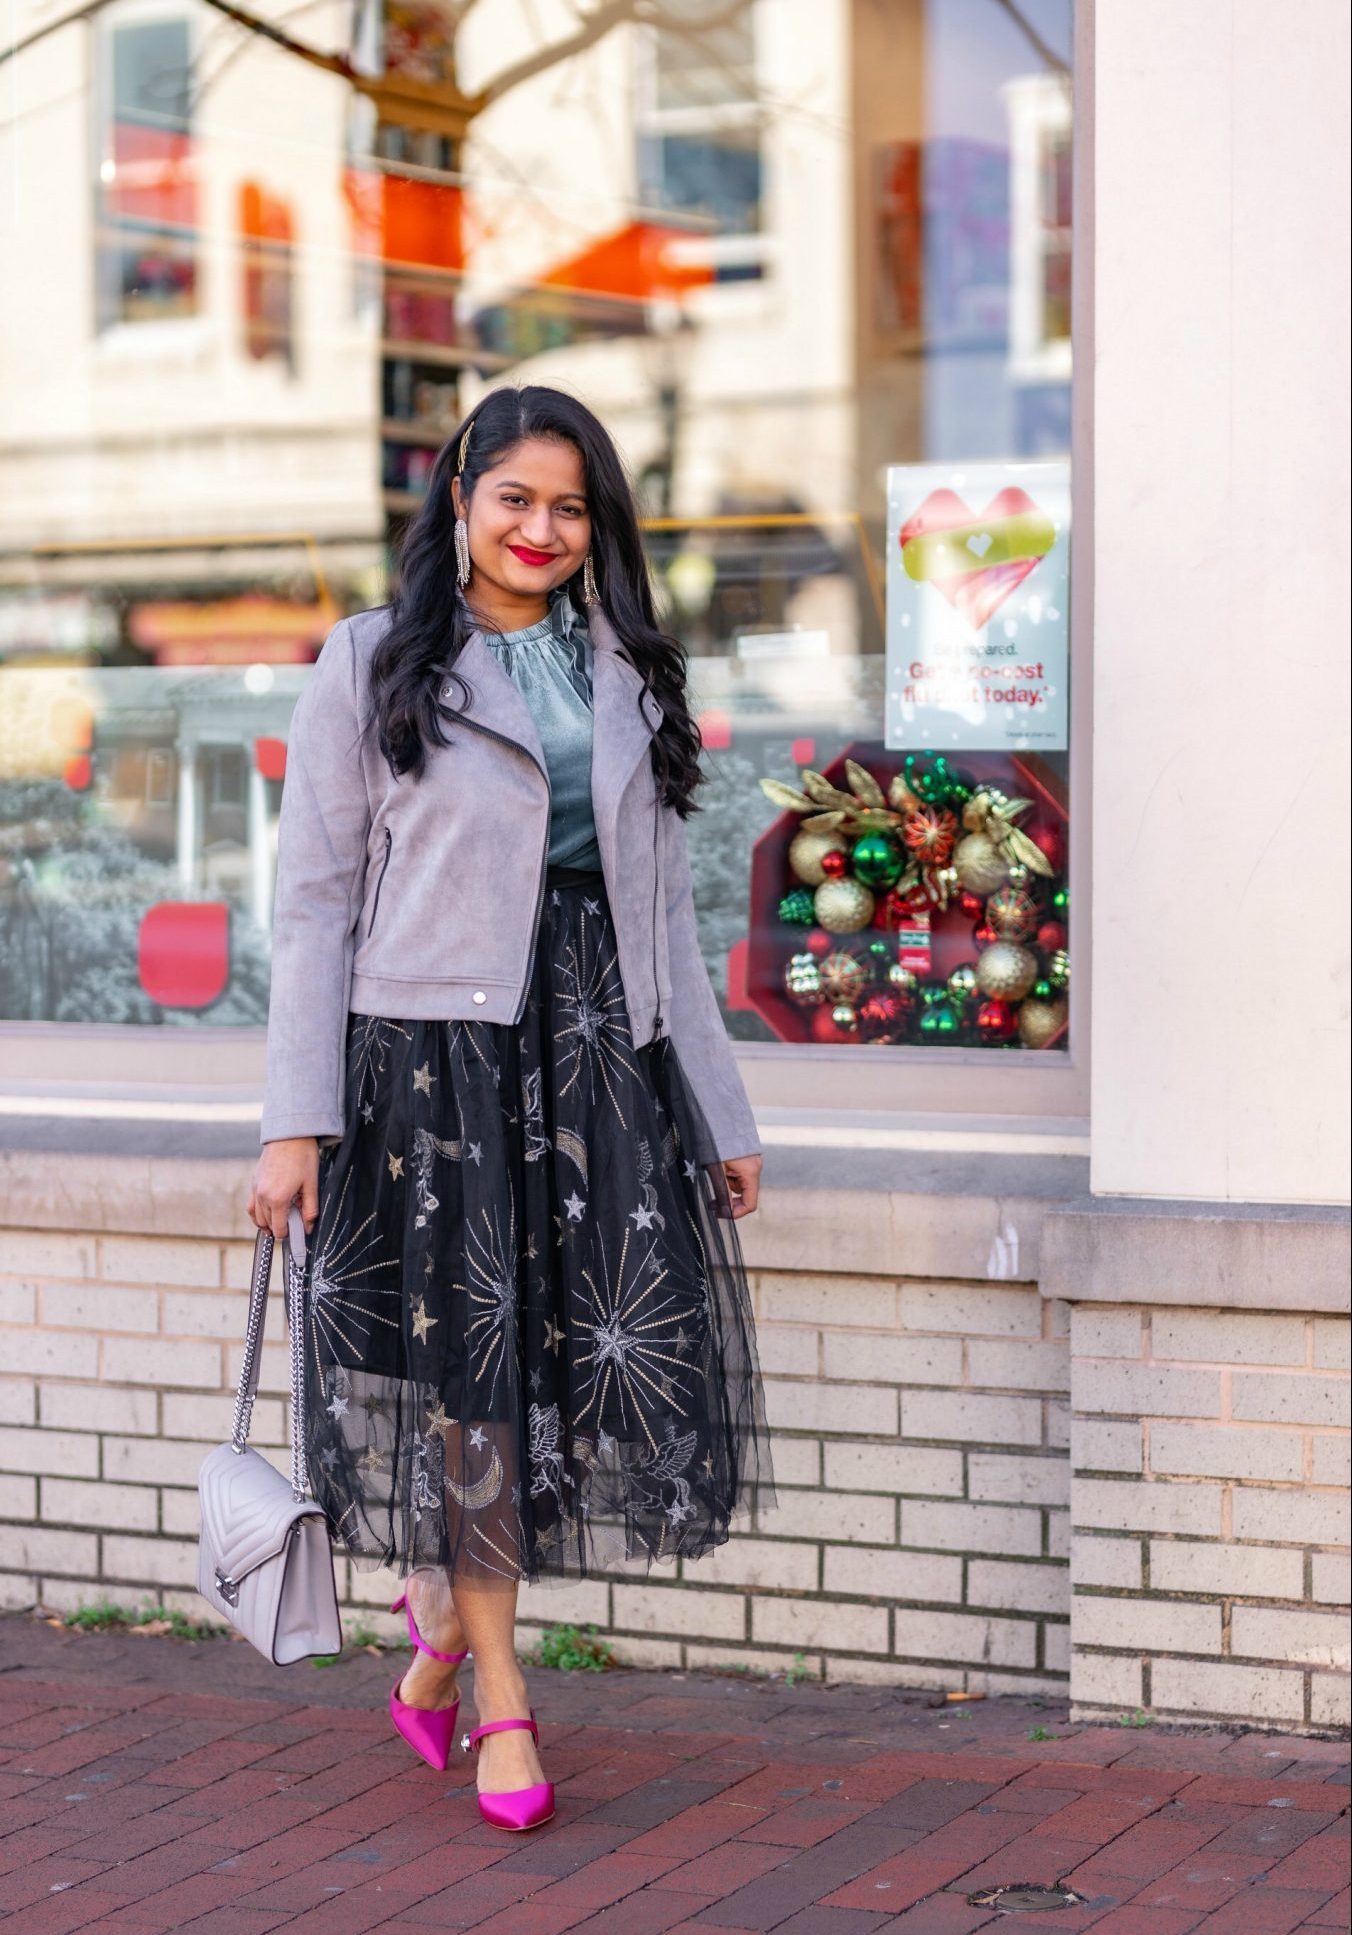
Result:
[
  {"x": 805, "y": 854},
  {"x": 1005, "y": 972},
  {"x": 1013, "y": 912},
  {"x": 989, "y": 812},
  {"x": 842, "y": 906},
  {"x": 843, "y": 976},
  {"x": 1039, "y": 1021},
  {"x": 979, "y": 864}
]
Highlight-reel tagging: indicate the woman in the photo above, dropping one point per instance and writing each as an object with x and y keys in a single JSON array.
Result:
[{"x": 498, "y": 1081}]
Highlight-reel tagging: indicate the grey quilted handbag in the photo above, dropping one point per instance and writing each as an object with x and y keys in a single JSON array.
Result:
[{"x": 264, "y": 1562}]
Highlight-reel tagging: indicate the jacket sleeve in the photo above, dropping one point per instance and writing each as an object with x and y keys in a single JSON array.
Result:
[
  {"x": 694, "y": 1022},
  {"x": 322, "y": 834}
]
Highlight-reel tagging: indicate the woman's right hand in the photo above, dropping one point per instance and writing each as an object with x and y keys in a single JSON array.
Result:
[{"x": 287, "y": 1170}]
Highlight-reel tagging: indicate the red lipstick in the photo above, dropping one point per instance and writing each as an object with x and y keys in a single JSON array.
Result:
[{"x": 528, "y": 556}]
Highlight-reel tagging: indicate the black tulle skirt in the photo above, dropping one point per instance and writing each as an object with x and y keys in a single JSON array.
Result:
[{"x": 530, "y": 1350}]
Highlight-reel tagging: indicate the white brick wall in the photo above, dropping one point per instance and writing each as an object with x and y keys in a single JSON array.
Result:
[
  {"x": 927, "y": 1506},
  {"x": 1231, "y": 1431},
  {"x": 915, "y": 1448}
]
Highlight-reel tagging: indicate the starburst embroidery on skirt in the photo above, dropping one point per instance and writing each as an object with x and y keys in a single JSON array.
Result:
[
  {"x": 634, "y": 1316},
  {"x": 593, "y": 1042},
  {"x": 493, "y": 1273},
  {"x": 345, "y": 1306}
]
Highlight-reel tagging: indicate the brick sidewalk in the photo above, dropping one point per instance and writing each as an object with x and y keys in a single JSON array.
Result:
[{"x": 148, "y": 1785}]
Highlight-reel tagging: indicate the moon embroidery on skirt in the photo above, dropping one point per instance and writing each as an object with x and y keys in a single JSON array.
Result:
[{"x": 482, "y": 1491}]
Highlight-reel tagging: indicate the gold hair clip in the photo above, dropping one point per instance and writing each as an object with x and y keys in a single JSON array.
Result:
[{"x": 464, "y": 443}]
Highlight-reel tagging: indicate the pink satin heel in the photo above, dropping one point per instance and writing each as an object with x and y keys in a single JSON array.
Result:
[
  {"x": 523, "y": 1807},
  {"x": 430, "y": 1731}
]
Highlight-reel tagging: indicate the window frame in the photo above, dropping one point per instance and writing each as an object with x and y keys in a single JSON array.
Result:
[
  {"x": 109, "y": 326},
  {"x": 745, "y": 248}
]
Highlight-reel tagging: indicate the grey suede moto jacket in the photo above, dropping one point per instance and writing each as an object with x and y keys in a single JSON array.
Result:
[{"x": 421, "y": 898}]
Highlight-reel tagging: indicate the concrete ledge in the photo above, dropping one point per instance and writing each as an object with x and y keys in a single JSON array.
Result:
[{"x": 1238, "y": 1256}]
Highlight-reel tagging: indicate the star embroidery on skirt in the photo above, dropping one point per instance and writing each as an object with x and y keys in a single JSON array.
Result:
[
  {"x": 477, "y": 1438},
  {"x": 396, "y": 1166},
  {"x": 690, "y": 1172},
  {"x": 336, "y": 1407},
  {"x": 642, "y": 1217},
  {"x": 368, "y": 1114},
  {"x": 437, "y": 1420},
  {"x": 373, "y": 1460},
  {"x": 575, "y": 1207},
  {"x": 708, "y": 1465},
  {"x": 475, "y": 1152},
  {"x": 423, "y": 1080},
  {"x": 422, "y": 1323},
  {"x": 535, "y": 1382},
  {"x": 553, "y": 1336}
]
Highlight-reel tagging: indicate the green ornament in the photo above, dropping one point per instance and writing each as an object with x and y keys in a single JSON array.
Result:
[
  {"x": 796, "y": 910},
  {"x": 876, "y": 859},
  {"x": 1058, "y": 970},
  {"x": 1061, "y": 901},
  {"x": 1042, "y": 990},
  {"x": 938, "y": 1022},
  {"x": 962, "y": 982},
  {"x": 929, "y": 777},
  {"x": 879, "y": 956},
  {"x": 903, "y": 980}
]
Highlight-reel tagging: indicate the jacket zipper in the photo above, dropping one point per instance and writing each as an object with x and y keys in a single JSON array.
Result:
[
  {"x": 375, "y": 904},
  {"x": 526, "y": 753}
]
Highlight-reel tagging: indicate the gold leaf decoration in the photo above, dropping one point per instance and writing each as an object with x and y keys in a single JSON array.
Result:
[{"x": 863, "y": 785}]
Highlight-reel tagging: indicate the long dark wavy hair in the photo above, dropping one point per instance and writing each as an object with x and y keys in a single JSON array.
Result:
[{"x": 431, "y": 624}]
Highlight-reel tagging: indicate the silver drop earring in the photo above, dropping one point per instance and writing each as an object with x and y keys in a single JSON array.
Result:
[
  {"x": 590, "y": 596},
  {"x": 461, "y": 552}
]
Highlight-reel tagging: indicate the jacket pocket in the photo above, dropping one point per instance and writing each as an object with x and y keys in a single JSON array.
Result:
[{"x": 384, "y": 869}]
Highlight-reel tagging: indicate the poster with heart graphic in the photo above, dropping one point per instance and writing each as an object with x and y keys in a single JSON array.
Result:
[{"x": 978, "y": 599}]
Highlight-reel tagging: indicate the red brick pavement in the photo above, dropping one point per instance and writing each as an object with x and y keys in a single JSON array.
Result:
[{"x": 149, "y": 1786}]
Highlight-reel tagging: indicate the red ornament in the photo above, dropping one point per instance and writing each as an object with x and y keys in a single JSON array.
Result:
[
  {"x": 996, "y": 1021},
  {"x": 985, "y": 935},
  {"x": 834, "y": 864},
  {"x": 883, "y": 1016},
  {"x": 971, "y": 906},
  {"x": 931, "y": 833},
  {"x": 1051, "y": 936},
  {"x": 897, "y": 909},
  {"x": 822, "y": 1028},
  {"x": 818, "y": 943},
  {"x": 1050, "y": 840}
]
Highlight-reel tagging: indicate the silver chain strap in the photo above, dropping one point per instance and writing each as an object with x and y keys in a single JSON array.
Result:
[{"x": 253, "y": 1345}]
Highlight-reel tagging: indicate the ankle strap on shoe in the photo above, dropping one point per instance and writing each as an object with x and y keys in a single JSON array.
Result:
[
  {"x": 420, "y": 1644},
  {"x": 504, "y": 1726}
]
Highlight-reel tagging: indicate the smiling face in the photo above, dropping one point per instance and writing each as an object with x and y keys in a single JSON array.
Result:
[{"x": 529, "y": 527}]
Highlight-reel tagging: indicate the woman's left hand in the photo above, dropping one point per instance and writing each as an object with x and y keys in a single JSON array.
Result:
[{"x": 742, "y": 1175}]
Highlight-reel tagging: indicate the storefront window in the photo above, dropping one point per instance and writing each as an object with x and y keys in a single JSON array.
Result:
[{"x": 810, "y": 259}]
